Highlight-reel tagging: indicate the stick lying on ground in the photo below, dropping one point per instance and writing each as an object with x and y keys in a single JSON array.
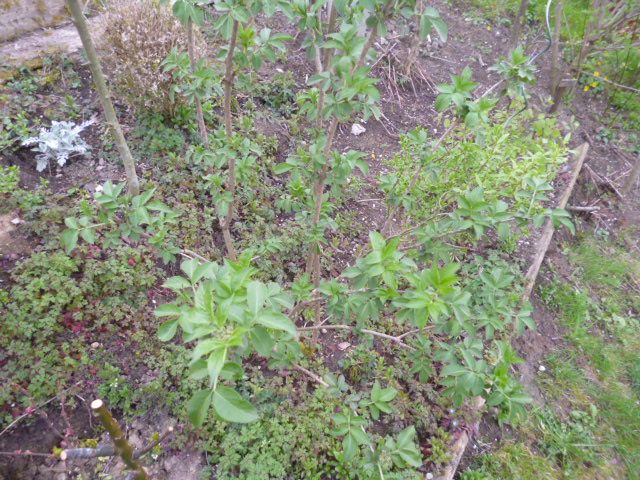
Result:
[{"x": 459, "y": 447}]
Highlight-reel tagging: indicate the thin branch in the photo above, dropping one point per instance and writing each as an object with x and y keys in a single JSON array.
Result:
[
  {"x": 578, "y": 208},
  {"x": 311, "y": 375},
  {"x": 26, "y": 453},
  {"x": 109, "y": 450},
  {"x": 8, "y": 427},
  {"x": 396, "y": 340},
  {"x": 617, "y": 85}
]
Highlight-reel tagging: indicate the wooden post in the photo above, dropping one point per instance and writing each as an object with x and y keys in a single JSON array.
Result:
[
  {"x": 133, "y": 184},
  {"x": 477, "y": 403},
  {"x": 547, "y": 232}
]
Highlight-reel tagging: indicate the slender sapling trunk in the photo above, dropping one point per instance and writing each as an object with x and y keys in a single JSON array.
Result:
[
  {"x": 231, "y": 173},
  {"x": 555, "y": 47},
  {"x": 192, "y": 58},
  {"x": 120, "y": 443},
  {"x": 133, "y": 184},
  {"x": 518, "y": 24},
  {"x": 313, "y": 261}
]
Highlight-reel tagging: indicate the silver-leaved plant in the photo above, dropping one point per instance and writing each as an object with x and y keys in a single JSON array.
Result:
[{"x": 58, "y": 143}]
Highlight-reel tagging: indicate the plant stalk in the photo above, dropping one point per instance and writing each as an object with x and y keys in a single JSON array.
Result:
[
  {"x": 192, "y": 58},
  {"x": 133, "y": 184},
  {"x": 122, "y": 447},
  {"x": 228, "y": 126},
  {"x": 555, "y": 47}
]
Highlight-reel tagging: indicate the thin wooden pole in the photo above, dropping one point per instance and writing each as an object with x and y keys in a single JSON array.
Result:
[{"x": 192, "y": 59}]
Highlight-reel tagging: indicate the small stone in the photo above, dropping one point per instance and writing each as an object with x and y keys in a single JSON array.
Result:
[
  {"x": 429, "y": 476},
  {"x": 95, "y": 345},
  {"x": 344, "y": 345},
  {"x": 357, "y": 129},
  {"x": 542, "y": 368},
  {"x": 324, "y": 330},
  {"x": 98, "y": 188},
  {"x": 17, "y": 221}
]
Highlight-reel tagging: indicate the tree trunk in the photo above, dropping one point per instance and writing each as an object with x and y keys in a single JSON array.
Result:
[
  {"x": 313, "y": 261},
  {"x": 555, "y": 47},
  {"x": 133, "y": 184},
  {"x": 521, "y": 18},
  {"x": 192, "y": 58},
  {"x": 231, "y": 173}
]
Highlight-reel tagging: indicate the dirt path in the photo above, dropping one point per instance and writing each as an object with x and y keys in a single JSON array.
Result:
[{"x": 46, "y": 41}]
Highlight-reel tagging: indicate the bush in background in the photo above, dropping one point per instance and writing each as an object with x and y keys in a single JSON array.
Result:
[{"x": 138, "y": 36}]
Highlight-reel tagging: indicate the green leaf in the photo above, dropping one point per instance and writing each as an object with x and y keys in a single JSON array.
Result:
[
  {"x": 72, "y": 223},
  {"x": 256, "y": 295},
  {"x": 215, "y": 363},
  {"x": 277, "y": 321},
  {"x": 441, "y": 28},
  {"x": 231, "y": 407},
  {"x": 281, "y": 168},
  {"x": 167, "y": 330},
  {"x": 206, "y": 346},
  {"x": 405, "y": 448},
  {"x": 176, "y": 283},
  {"x": 88, "y": 235},
  {"x": 167, "y": 310},
  {"x": 231, "y": 371},
  {"x": 349, "y": 447},
  {"x": 442, "y": 102},
  {"x": 69, "y": 240},
  {"x": 261, "y": 340},
  {"x": 377, "y": 240},
  {"x": 198, "y": 406}
]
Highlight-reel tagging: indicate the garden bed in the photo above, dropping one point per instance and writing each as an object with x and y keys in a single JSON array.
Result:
[{"x": 347, "y": 346}]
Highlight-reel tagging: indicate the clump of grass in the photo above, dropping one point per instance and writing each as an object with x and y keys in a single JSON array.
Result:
[
  {"x": 604, "y": 333},
  {"x": 513, "y": 461}
]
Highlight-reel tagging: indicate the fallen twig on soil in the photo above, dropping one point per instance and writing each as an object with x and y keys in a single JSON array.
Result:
[
  {"x": 397, "y": 340},
  {"x": 577, "y": 208},
  {"x": 311, "y": 375},
  {"x": 30, "y": 412},
  {"x": 604, "y": 182}
]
